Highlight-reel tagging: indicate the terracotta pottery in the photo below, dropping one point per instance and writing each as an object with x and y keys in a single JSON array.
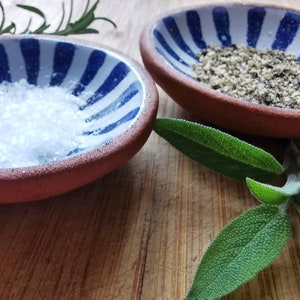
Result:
[
  {"x": 122, "y": 106},
  {"x": 169, "y": 45}
]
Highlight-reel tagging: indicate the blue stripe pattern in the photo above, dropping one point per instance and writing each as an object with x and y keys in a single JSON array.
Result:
[
  {"x": 128, "y": 117},
  {"x": 255, "y": 21},
  {"x": 286, "y": 32},
  {"x": 191, "y": 31},
  {"x": 31, "y": 51},
  {"x": 63, "y": 57},
  {"x": 194, "y": 25},
  {"x": 168, "y": 48},
  {"x": 112, "y": 91},
  {"x": 221, "y": 20},
  {"x": 118, "y": 73},
  {"x": 95, "y": 62},
  {"x": 123, "y": 99},
  {"x": 177, "y": 37},
  {"x": 4, "y": 65}
]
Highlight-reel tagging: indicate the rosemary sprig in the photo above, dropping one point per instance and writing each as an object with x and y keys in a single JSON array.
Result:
[
  {"x": 41, "y": 28},
  {"x": 11, "y": 28},
  {"x": 79, "y": 26}
]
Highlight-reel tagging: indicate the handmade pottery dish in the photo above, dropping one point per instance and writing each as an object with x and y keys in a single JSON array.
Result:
[
  {"x": 169, "y": 46},
  {"x": 118, "y": 105}
]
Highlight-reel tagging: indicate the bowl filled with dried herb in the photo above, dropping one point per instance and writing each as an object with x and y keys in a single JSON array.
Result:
[
  {"x": 234, "y": 66},
  {"x": 71, "y": 112}
]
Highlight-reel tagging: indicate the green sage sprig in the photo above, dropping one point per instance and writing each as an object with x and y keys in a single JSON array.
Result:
[
  {"x": 218, "y": 151},
  {"x": 252, "y": 241},
  {"x": 244, "y": 247},
  {"x": 65, "y": 27}
]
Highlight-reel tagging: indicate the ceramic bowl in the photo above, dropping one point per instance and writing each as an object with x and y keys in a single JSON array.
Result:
[
  {"x": 120, "y": 105},
  {"x": 169, "y": 45}
]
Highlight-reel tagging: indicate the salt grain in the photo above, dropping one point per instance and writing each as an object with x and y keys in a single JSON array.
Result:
[{"x": 38, "y": 124}]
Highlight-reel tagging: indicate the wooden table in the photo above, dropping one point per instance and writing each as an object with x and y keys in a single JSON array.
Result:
[{"x": 139, "y": 232}]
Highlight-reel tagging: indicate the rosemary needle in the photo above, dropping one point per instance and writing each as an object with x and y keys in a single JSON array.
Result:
[{"x": 79, "y": 26}]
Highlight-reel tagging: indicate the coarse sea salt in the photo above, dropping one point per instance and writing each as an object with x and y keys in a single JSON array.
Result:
[{"x": 38, "y": 124}]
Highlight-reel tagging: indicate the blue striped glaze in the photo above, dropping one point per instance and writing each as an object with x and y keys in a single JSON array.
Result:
[
  {"x": 176, "y": 36},
  {"x": 286, "y": 31},
  {"x": 4, "y": 65},
  {"x": 95, "y": 62},
  {"x": 194, "y": 25},
  {"x": 31, "y": 51},
  {"x": 255, "y": 21},
  {"x": 167, "y": 48},
  {"x": 181, "y": 35},
  {"x": 108, "y": 128},
  {"x": 122, "y": 100},
  {"x": 222, "y": 22},
  {"x": 62, "y": 61},
  {"x": 112, "y": 90},
  {"x": 114, "y": 78}
]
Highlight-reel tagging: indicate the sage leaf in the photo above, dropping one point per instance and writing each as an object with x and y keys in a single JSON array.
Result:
[
  {"x": 218, "y": 151},
  {"x": 243, "y": 248},
  {"x": 273, "y": 195}
]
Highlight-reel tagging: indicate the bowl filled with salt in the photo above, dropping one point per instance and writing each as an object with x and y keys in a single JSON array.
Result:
[
  {"x": 71, "y": 112},
  {"x": 231, "y": 65}
]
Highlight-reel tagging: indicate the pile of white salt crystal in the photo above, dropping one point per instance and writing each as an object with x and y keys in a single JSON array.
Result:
[{"x": 38, "y": 125}]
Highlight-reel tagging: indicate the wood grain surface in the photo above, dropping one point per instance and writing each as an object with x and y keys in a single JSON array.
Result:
[{"x": 139, "y": 232}]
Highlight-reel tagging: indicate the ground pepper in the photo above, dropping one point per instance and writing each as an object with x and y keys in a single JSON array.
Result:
[{"x": 270, "y": 77}]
